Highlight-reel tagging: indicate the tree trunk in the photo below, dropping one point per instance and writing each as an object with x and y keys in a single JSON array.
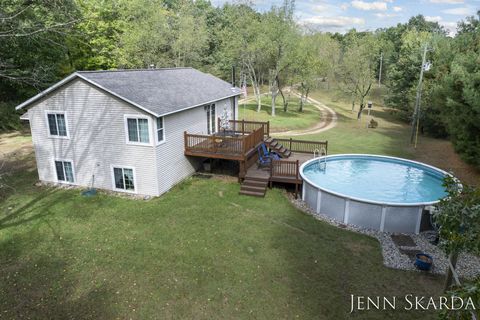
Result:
[
  {"x": 283, "y": 97},
  {"x": 285, "y": 106},
  {"x": 274, "y": 87},
  {"x": 449, "y": 278},
  {"x": 258, "y": 97},
  {"x": 353, "y": 105},
  {"x": 274, "y": 96},
  {"x": 362, "y": 100},
  {"x": 254, "y": 78},
  {"x": 359, "y": 115},
  {"x": 303, "y": 96}
]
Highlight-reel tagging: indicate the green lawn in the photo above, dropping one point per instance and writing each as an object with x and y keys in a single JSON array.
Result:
[
  {"x": 283, "y": 121},
  {"x": 199, "y": 252},
  {"x": 352, "y": 136}
]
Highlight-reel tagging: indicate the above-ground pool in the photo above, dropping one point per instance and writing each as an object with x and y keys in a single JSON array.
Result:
[{"x": 377, "y": 192}]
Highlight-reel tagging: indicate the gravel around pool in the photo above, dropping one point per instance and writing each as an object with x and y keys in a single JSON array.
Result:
[{"x": 468, "y": 265}]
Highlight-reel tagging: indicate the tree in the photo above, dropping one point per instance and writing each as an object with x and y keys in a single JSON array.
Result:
[
  {"x": 458, "y": 219},
  {"x": 461, "y": 89},
  {"x": 33, "y": 50},
  {"x": 403, "y": 75},
  {"x": 357, "y": 70},
  {"x": 190, "y": 39},
  {"x": 278, "y": 43},
  {"x": 404, "y": 63},
  {"x": 469, "y": 290},
  {"x": 314, "y": 61},
  {"x": 32, "y": 37},
  {"x": 146, "y": 41},
  {"x": 241, "y": 45},
  {"x": 94, "y": 45},
  {"x": 161, "y": 36}
]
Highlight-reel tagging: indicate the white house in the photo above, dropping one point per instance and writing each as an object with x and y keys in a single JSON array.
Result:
[{"x": 126, "y": 127}]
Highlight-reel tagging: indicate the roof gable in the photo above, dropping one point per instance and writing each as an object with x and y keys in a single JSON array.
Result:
[{"x": 156, "y": 91}]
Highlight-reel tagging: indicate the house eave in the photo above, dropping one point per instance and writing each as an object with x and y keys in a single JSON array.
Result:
[
  {"x": 46, "y": 91},
  {"x": 200, "y": 104},
  {"x": 93, "y": 83}
]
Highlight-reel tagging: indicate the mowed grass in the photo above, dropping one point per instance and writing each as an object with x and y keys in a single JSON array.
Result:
[
  {"x": 283, "y": 121},
  {"x": 201, "y": 251},
  {"x": 350, "y": 135}
]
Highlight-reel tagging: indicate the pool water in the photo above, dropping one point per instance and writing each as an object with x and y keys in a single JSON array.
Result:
[{"x": 378, "y": 179}]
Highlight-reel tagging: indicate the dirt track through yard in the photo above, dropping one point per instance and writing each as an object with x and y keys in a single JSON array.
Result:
[{"x": 328, "y": 119}]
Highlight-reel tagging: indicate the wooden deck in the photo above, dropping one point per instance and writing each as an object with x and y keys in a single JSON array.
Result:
[
  {"x": 283, "y": 171},
  {"x": 240, "y": 142},
  {"x": 234, "y": 144},
  {"x": 264, "y": 172}
]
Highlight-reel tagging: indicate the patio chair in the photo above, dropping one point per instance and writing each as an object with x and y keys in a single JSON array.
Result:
[
  {"x": 266, "y": 153},
  {"x": 262, "y": 159}
]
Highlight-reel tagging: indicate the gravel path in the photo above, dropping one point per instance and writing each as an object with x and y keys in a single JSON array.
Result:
[{"x": 468, "y": 266}]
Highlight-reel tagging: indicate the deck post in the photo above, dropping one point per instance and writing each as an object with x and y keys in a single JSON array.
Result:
[
  {"x": 241, "y": 174},
  {"x": 290, "y": 148},
  {"x": 297, "y": 171},
  {"x": 244, "y": 147},
  {"x": 268, "y": 128},
  {"x": 243, "y": 127},
  {"x": 185, "y": 144}
]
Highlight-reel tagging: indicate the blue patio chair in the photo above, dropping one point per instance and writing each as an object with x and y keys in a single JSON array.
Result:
[
  {"x": 262, "y": 159},
  {"x": 268, "y": 154}
]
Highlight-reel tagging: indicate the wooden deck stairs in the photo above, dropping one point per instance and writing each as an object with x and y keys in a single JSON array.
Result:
[
  {"x": 277, "y": 147},
  {"x": 253, "y": 186}
]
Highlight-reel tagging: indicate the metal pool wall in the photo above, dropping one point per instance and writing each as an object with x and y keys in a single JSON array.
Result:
[{"x": 378, "y": 216}]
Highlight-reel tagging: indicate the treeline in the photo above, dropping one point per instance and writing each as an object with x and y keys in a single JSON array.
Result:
[{"x": 42, "y": 41}]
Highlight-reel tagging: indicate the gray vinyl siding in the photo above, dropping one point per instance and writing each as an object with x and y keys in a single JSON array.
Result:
[
  {"x": 95, "y": 122},
  {"x": 173, "y": 165}
]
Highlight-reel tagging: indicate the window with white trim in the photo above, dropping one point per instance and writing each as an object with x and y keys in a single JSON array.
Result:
[
  {"x": 57, "y": 124},
  {"x": 124, "y": 179},
  {"x": 64, "y": 171},
  {"x": 138, "y": 130},
  {"x": 160, "y": 130}
]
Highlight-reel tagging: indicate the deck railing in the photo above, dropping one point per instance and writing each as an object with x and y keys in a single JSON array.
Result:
[
  {"x": 236, "y": 146},
  {"x": 303, "y": 146},
  {"x": 213, "y": 144},
  {"x": 285, "y": 169},
  {"x": 253, "y": 138},
  {"x": 245, "y": 127}
]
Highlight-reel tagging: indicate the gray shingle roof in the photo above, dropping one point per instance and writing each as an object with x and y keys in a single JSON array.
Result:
[
  {"x": 158, "y": 91},
  {"x": 163, "y": 91}
]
